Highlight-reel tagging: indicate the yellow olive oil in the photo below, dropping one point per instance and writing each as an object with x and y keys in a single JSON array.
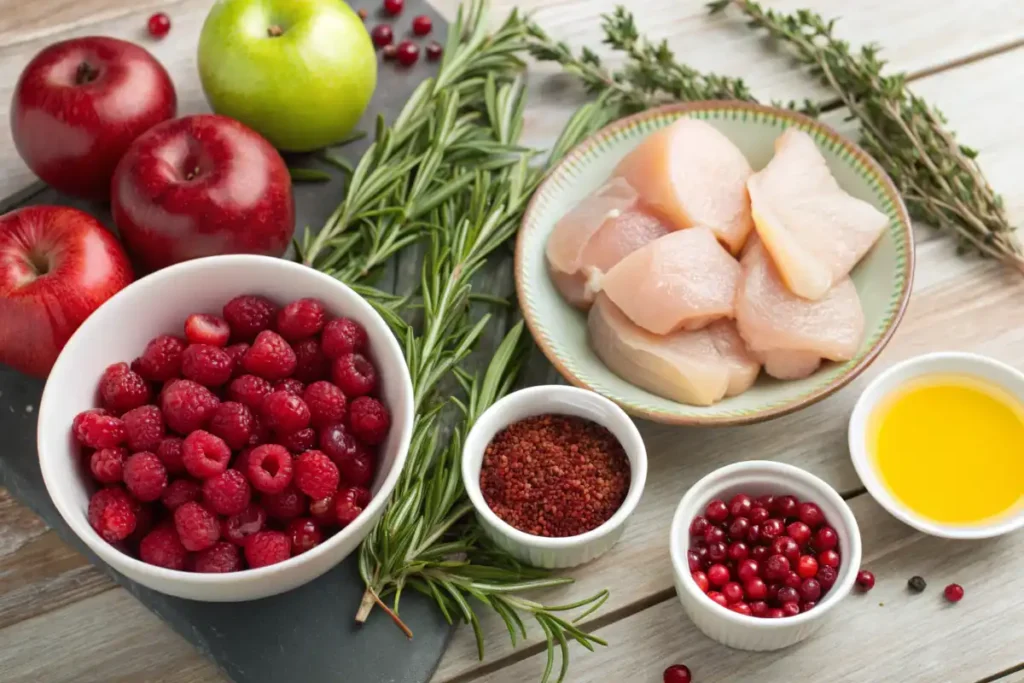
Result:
[{"x": 951, "y": 448}]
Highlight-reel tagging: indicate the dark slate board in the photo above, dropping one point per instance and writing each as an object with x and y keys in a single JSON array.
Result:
[{"x": 307, "y": 634}]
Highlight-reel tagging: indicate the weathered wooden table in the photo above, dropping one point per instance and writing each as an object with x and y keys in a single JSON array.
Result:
[{"x": 60, "y": 620}]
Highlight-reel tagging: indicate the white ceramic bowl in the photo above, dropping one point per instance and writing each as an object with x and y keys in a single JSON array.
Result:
[
  {"x": 159, "y": 304},
  {"x": 758, "y": 478},
  {"x": 541, "y": 551},
  {"x": 945, "y": 363}
]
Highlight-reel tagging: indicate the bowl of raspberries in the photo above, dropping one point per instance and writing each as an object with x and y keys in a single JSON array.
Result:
[{"x": 228, "y": 428}]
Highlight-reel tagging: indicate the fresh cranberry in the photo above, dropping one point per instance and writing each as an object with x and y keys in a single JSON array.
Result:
[
  {"x": 718, "y": 575},
  {"x": 323, "y": 511},
  {"x": 717, "y": 511},
  {"x": 738, "y": 551},
  {"x": 807, "y": 566},
  {"x": 733, "y": 592},
  {"x": 714, "y": 534},
  {"x": 755, "y": 589},
  {"x": 766, "y": 501},
  {"x": 827, "y": 577},
  {"x": 754, "y": 535},
  {"x": 698, "y": 526},
  {"x": 866, "y": 580},
  {"x": 702, "y": 554},
  {"x": 741, "y": 505},
  {"x": 954, "y": 592},
  {"x": 717, "y": 552},
  {"x": 701, "y": 579},
  {"x": 421, "y": 25},
  {"x": 693, "y": 560},
  {"x": 408, "y": 53},
  {"x": 785, "y": 506},
  {"x": 799, "y": 532},
  {"x": 434, "y": 51},
  {"x": 825, "y": 538},
  {"x": 787, "y": 547},
  {"x": 718, "y": 598},
  {"x": 394, "y": 7},
  {"x": 790, "y": 609},
  {"x": 741, "y": 608},
  {"x": 829, "y": 558},
  {"x": 810, "y": 590},
  {"x": 237, "y": 528},
  {"x": 788, "y": 594},
  {"x": 807, "y": 606},
  {"x": 159, "y": 25},
  {"x": 774, "y": 613},
  {"x": 759, "y": 608},
  {"x": 739, "y": 528},
  {"x": 760, "y": 553},
  {"x": 792, "y": 580},
  {"x": 771, "y": 529},
  {"x": 776, "y": 568},
  {"x": 758, "y": 514},
  {"x": 747, "y": 570},
  {"x": 677, "y": 673},
  {"x": 305, "y": 535},
  {"x": 810, "y": 514}
]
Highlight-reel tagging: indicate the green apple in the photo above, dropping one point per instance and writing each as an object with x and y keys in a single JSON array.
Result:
[{"x": 301, "y": 72}]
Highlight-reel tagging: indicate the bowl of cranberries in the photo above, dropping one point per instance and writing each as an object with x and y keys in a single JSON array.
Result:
[
  {"x": 228, "y": 428},
  {"x": 761, "y": 553}
]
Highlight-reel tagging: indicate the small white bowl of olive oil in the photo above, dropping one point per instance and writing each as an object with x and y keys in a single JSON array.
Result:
[{"x": 938, "y": 441}]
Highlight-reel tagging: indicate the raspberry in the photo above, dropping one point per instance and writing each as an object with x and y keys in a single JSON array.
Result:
[
  {"x": 342, "y": 336},
  {"x": 219, "y": 558},
  {"x": 305, "y": 535},
  {"x": 197, "y": 527},
  {"x": 357, "y": 470},
  {"x": 316, "y": 475},
  {"x": 301, "y": 319},
  {"x": 187, "y": 405},
  {"x": 112, "y": 514},
  {"x": 248, "y": 316},
  {"x": 207, "y": 365},
  {"x": 369, "y": 420},
  {"x": 298, "y": 442},
  {"x": 163, "y": 548},
  {"x": 354, "y": 375},
  {"x": 349, "y": 503},
  {"x": 326, "y": 403},
  {"x": 285, "y": 412},
  {"x": 181, "y": 491},
  {"x": 237, "y": 528},
  {"x": 249, "y": 390},
  {"x": 170, "y": 453},
  {"x": 269, "y": 468},
  {"x": 270, "y": 357},
  {"x": 266, "y": 548},
  {"x": 227, "y": 493},
  {"x": 322, "y": 511},
  {"x": 234, "y": 423},
  {"x": 310, "y": 362},
  {"x": 145, "y": 476},
  {"x": 122, "y": 389},
  {"x": 204, "y": 454},
  {"x": 144, "y": 428},
  {"x": 235, "y": 353},
  {"x": 291, "y": 385},
  {"x": 201, "y": 328},
  {"x": 107, "y": 465},
  {"x": 161, "y": 359},
  {"x": 286, "y": 505},
  {"x": 339, "y": 444},
  {"x": 96, "y": 428}
]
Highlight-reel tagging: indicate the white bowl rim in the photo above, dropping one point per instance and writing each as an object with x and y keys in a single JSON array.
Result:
[
  {"x": 113, "y": 555},
  {"x": 869, "y": 398},
  {"x": 719, "y": 479},
  {"x": 637, "y": 476}
]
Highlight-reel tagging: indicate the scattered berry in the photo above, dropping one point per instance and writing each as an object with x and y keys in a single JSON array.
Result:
[
  {"x": 305, "y": 535},
  {"x": 342, "y": 336},
  {"x": 267, "y": 547},
  {"x": 421, "y": 25},
  {"x": 145, "y": 476},
  {"x": 369, "y": 420},
  {"x": 219, "y": 558},
  {"x": 326, "y": 403},
  {"x": 269, "y": 468},
  {"x": 285, "y": 412},
  {"x": 354, "y": 375},
  {"x": 954, "y": 592},
  {"x": 204, "y": 454},
  {"x": 866, "y": 580},
  {"x": 408, "y": 53},
  {"x": 249, "y": 390},
  {"x": 310, "y": 362},
  {"x": 233, "y": 422},
  {"x": 159, "y": 25},
  {"x": 298, "y": 442},
  {"x": 181, "y": 491},
  {"x": 316, "y": 475},
  {"x": 187, "y": 406},
  {"x": 208, "y": 365},
  {"x": 111, "y": 514},
  {"x": 122, "y": 389},
  {"x": 394, "y": 7},
  {"x": 301, "y": 319},
  {"x": 269, "y": 357},
  {"x": 434, "y": 51},
  {"x": 201, "y": 328},
  {"x": 362, "y": 13},
  {"x": 161, "y": 360},
  {"x": 917, "y": 584},
  {"x": 107, "y": 465},
  {"x": 288, "y": 504},
  {"x": 291, "y": 385},
  {"x": 144, "y": 428},
  {"x": 677, "y": 673},
  {"x": 382, "y": 35},
  {"x": 227, "y": 493},
  {"x": 389, "y": 52},
  {"x": 170, "y": 453},
  {"x": 349, "y": 503},
  {"x": 237, "y": 528},
  {"x": 197, "y": 527},
  {"x": 98, "y": 429},
  {"x": 248, "y": 315}
]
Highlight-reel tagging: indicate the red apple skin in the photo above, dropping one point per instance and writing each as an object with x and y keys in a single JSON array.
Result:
[
  {"x": 72, "y": 134},
  {"x": 201, "y": 186},
  {"x": 57, "y": 265}
]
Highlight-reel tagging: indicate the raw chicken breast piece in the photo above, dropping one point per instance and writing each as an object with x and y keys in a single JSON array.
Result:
[
  {"x": 685, "y": 366},
  {"x": 681, "y": 281},
  {"x": 743, "y": 366},
  {"x": 691, "y": 174},
  {"x": 815, "y": 231},
  {"x": 772, "y": 319},
  {"x": 594, "y": 236}
]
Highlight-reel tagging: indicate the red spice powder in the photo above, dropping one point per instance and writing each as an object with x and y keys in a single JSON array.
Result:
[{"x": 555, "y": 475}]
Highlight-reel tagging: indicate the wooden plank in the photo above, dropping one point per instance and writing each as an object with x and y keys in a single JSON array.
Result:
[
  {"x": 958, "y": 303},
  {"x": 869, "y": 637}
]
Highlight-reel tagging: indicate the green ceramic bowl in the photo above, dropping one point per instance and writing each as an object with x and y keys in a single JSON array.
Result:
[{"x": 882, "y": 278}]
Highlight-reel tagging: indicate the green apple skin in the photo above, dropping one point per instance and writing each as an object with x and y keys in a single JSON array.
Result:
[{"x": 303, "y": 89}]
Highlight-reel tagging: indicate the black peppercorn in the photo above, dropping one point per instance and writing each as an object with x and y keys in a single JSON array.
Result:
[{"x": 917, "y": 584}]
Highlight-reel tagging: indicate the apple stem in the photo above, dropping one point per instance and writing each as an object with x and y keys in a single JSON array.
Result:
[
  {"x": 86, "y": 73},
  {"x": 274, "y": 31}
]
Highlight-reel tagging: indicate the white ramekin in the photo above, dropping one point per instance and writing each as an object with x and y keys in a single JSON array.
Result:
[
  {"x": 944, "y": 363},
  {"x": 540, "y": 551},
  {"x": 758, "y": 478}
]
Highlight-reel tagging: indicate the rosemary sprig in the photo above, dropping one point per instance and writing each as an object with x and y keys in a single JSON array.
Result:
[{"x": 940, "y": 179}]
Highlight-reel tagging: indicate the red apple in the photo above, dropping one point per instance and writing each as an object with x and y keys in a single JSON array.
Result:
[
  {"x": 200, "y": 186},
  {"x": 80, "y": 103},
  {"x": 57, "y": 265}
]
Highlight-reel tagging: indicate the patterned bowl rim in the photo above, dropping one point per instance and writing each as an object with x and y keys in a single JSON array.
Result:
[{"x": 868, "y": 167}]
